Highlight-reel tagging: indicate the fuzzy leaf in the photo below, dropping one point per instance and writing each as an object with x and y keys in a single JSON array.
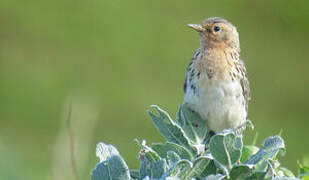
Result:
[
  {"x": 194, "y": 126},
  {"x": 226, "y": 148},
  {"x": 154, "y": 170},
  {"x": 199, "y": 166},
  {"x": 269, "y": 150},
  {"x": 172, "y": 178},
  {"x": 114, "y": 168},
  {"x": 169, "y": 129},
  {"x": 111, "y": 166},
  {"x": 258, "y": 175},
  {"x": 158, "y": 169},
  {"x": 105, "y": 151},
  {"x": 283, "y": 178},
  {"x": 214, "y": 177},
  {"x": 241, "y": 172},
  {"x": 147, "y": 152},
  {"x": 162, "y": 150},
  {"x": 179, "y": 167},
  {"x": 210, "y": 169},
  {"x": 134, "y": 173},
  {"x": 145, "y": 169},
  {"x": 247, "y": 151},
  {"x": 152, "y": 165},
  {"x": 172, "y": 157}
]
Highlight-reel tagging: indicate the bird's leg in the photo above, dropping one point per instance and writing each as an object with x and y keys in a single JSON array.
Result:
[{"x": 207, "y": 139}]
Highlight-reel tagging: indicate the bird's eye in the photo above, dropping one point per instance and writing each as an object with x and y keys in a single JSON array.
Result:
[{"x": 216, "y": 28}]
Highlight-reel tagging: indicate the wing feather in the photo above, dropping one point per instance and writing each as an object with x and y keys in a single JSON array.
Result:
[
  {"x": 244, "y": 82},
  {"x": 188, "y": 70}
]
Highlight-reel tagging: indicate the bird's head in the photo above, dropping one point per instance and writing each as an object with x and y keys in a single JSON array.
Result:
[{"x": 217, "y": 32}]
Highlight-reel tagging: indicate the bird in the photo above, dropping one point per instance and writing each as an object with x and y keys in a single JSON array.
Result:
[{"x": 216, "y": 83}]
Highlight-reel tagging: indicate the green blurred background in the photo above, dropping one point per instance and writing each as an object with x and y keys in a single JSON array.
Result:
[{"x": 112, "y": 59}]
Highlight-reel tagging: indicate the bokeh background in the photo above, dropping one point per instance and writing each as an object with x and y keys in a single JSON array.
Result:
[{"x": 111, "y": 59}]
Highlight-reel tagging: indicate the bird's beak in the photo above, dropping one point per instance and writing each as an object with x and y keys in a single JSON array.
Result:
[{"x": 197, "y": 27}]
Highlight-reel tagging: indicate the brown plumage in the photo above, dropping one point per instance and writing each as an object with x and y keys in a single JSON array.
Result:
[{"x": 216, "y": 84}]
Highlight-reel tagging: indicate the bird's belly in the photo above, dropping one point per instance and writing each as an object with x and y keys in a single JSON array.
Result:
[{"x": 222, "y": 104}]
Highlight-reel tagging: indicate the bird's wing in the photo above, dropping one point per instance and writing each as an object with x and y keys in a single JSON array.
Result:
[
  {"x": 189, "y": 68},
  {"x": 244, "y": 81}
]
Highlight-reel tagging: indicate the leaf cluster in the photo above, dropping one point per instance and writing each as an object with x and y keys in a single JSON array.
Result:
[{"x": 189, "y": 153}]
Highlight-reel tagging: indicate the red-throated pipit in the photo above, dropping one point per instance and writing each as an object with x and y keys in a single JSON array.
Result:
[{"x": 216, "y": 84}]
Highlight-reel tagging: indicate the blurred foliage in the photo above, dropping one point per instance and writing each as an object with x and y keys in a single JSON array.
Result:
[{"x": 122, "y": 56}]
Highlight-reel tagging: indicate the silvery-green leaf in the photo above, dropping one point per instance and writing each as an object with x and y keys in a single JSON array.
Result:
[
  {"x": 152, "y": 165},
  {"x": 283, "y": 178},
  {"x": 199, "y": 166},
  {"x": 154, "y": 170},
  {"x": 172, "y": 178},
  {"x": 162, "y": 150},
  {"x": 147, "y": 152},
  {"x": 269, "y": 166},
  {"x": 158, "y": 168},
  {"x": 214, "y": 177},
  {"x": 172, "y": 157},
  {"x": 210, "y": 169},
  {"x": 145, "y": 169},
  {"x": 258, "y": 175},
  {"x": 114, "y": 168},
  {"x": 194, "y": 126},
  {"x": 241, "y": 172},
  {"x": 146, "y": 178},
  {"x": 179, "y": 167},
  {"x": 269, "y": 150},
  {"x": 238, "y": 142},
  {"x": 196, "y": 171},
  {"x": 105, "y": 151},
  {"x": 226, "y": 148},
  {"x": 134, "y": 173},
  {"x": 169, "y": 129},
  {"x": 247, "y": 151}
]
